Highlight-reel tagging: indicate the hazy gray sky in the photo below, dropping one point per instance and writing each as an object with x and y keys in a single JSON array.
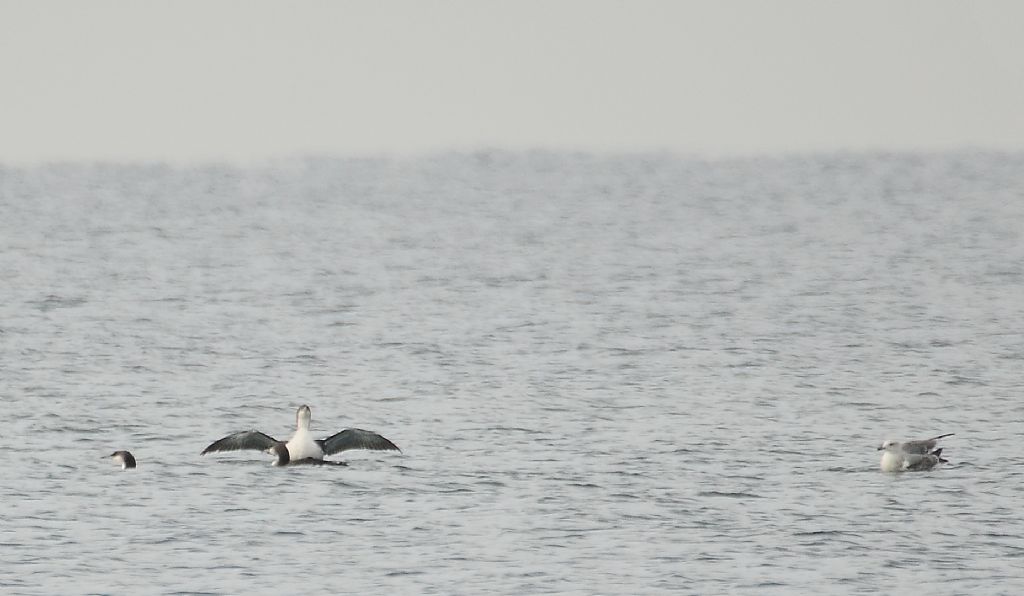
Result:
[{"x": 192, "y": 80}]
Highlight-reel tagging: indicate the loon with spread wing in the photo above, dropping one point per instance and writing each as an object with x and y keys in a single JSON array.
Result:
[{"x": 302, "y": 448}]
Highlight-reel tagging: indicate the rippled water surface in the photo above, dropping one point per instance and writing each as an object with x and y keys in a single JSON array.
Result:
[{"x": 607, "y": 375}]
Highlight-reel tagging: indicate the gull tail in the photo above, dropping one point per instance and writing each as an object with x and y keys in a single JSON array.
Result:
[{"x": 938, "y": 453}]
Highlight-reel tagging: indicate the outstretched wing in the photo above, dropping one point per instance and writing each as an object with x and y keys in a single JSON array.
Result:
[
  {"x": 923, "y": 446},
  {"x": 247, "y": 439},
  {"x": 354, "y": 438}
]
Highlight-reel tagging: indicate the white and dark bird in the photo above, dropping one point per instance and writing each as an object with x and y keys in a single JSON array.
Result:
[
  {"x": 911, "y": 456},
  {"x": 125, "y": 458},
  {"x": 302, "y": 448}
]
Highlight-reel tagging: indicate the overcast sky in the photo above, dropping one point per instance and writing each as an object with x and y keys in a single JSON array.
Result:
[{"x": 194, "y": 80}]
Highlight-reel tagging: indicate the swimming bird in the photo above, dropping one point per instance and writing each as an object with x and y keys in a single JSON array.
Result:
[
  {"x": 302, "y": 447},
  {"x": 283, "y": 458},
  {"x": 126, "y": 459},
  {"x": 909, "y": 456}
]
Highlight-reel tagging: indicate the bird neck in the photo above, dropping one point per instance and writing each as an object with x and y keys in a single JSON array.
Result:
[{"x": 302, "y": 418}]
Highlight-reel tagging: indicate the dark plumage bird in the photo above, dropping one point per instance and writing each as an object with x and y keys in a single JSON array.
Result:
[
  {"x": 125, "y": 458},
  {"x": 284, "y": 458},
  {"x": 302, "y": 447}
]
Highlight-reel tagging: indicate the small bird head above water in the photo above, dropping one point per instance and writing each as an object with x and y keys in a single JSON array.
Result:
[
  {"x": 126, "y": 459},
  {"x": 281, "y": 451}
]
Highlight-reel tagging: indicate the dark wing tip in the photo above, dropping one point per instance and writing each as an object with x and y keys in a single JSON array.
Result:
[
  {"x": 357, "y": 438},
  {"x": 379, "y": 442},
  {"x": 382, "y": 443},
  {"x": 217, "y": 445}
]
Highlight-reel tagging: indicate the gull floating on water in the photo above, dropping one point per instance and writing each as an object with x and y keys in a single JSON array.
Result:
[
  {"x": 302, "y": 448},
  {"x": 908, "y": 456},
  {"x": 125, "y": 458}
]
